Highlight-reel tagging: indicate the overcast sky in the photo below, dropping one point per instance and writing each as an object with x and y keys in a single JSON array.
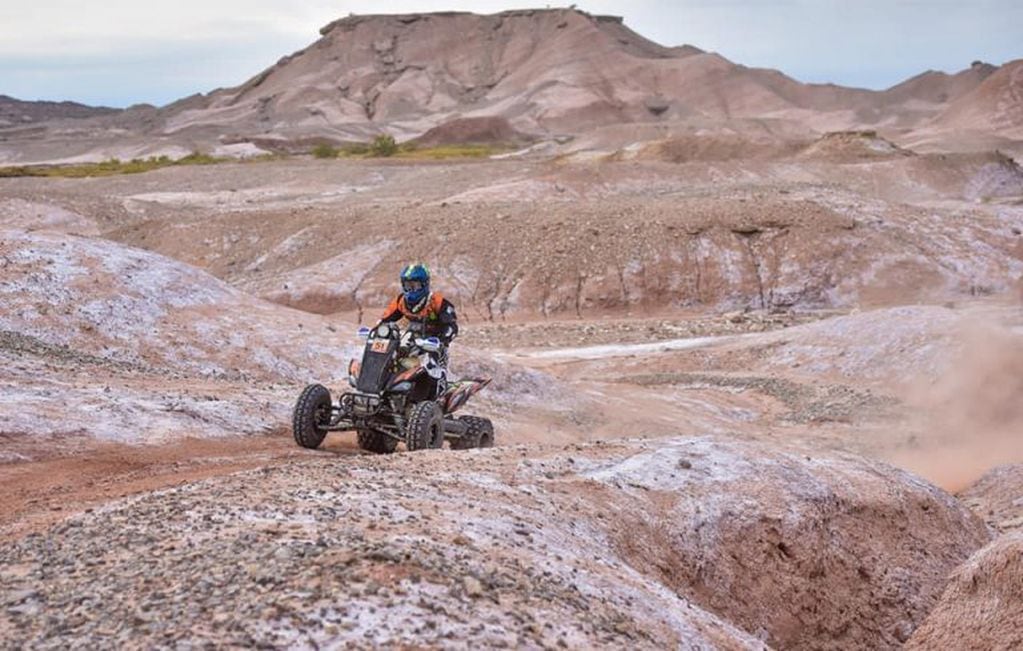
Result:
[{"x": 121, "y": 52}]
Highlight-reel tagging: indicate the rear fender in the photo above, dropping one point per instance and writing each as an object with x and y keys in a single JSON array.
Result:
[
  {"x": 405, "y": 376},
  {"x": 460, "y": 392}
]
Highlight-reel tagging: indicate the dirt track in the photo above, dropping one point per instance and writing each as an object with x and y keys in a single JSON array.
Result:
[{"x": 85, "y": 474}]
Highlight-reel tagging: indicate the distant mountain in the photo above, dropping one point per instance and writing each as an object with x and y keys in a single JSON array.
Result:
[
  {"x": 545, "y": 71},
  {"x": 514, "y": 76},
  {"x": 15, "y": 112}
]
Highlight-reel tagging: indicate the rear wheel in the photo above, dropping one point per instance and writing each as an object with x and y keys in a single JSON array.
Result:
[
  {"x": 487, "y": 438},
  {"x": 479, "y": 433},
  {"x": 311, "y": 417},
  {"x": 375, "y": 441},
  {"x": 425, "y": 427}
]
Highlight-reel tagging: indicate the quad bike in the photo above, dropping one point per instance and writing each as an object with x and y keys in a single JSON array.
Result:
[{"x": 400, "y": 395}]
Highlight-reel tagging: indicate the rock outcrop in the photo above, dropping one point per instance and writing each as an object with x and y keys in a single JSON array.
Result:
[
  {"x": 482, "y": 130},
  {"x": 580, "y": 257}
]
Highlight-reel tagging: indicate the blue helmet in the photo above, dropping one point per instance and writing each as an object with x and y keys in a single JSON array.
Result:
[{"x": 415, "y": 284}]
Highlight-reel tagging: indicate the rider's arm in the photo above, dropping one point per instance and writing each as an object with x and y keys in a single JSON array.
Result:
[
  {"x": 392, "y": 313},
  {"x": 449, "y": 322}
]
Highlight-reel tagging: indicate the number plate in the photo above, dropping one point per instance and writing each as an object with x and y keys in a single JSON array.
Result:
[{"x": 379, "y": 346}]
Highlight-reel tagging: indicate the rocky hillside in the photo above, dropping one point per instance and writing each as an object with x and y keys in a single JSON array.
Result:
[
  {"x": 999, "y": 496},
  {"x": 834, "y": 225},
  {"x": 132, "y": 307},
  {"x": 996, "y": 105},
  {"x": 686, "y": 541},
  {"x": 142, "y": 346},
  {"x": 545, "y": 70},
  {"x": 513, "y": 77},
  {"x": 596, "y": 244}
]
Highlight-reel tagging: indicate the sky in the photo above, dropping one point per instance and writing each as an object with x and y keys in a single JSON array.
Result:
[{"x": 123, "y": 52}]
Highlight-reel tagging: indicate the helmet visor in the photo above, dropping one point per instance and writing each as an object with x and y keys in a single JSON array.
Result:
[{"x": 412, "y": 285}]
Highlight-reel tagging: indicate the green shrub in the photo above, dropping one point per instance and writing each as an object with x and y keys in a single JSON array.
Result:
[{"x": 383, "y": 145}]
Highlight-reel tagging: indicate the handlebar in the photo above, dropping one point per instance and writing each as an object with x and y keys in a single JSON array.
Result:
[{"x": 429, "y": 344}]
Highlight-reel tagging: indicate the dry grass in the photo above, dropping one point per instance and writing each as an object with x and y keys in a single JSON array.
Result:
[{"x": 444, "y": 152}]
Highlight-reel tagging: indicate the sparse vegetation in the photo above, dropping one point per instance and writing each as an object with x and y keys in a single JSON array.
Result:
[
  {"x": 384, "y": 146},
  {"x": 442, "y": 152},
  {"x": 109, "y": 167},
  {"x": 323, "y": 150},
  {"x": 381, "y": 146},
  {"x": 357, "y": 149}
]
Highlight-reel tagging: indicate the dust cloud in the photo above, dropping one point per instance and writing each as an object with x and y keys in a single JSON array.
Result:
[{"x": 969, "y": 418}]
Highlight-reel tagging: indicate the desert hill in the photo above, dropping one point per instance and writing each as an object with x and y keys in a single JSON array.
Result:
[
  {"x": 544, "y": 70},
  {"x": 995, "y": 105},
  {"x": 938, "y": 87},
  {"x": 537, "y": 73}
]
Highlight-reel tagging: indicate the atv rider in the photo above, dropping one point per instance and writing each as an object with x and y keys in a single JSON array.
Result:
[{"x": 428, "y": 313}]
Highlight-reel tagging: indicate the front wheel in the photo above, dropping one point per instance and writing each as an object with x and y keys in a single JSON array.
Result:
[
  {"x": 376, "y": 442},
  {"x": 425, "y": 427},
  {"x": 311, "y": 418}
]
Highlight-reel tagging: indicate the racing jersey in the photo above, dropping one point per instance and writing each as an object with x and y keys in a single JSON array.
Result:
[{"x": 436, "y": 316}]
